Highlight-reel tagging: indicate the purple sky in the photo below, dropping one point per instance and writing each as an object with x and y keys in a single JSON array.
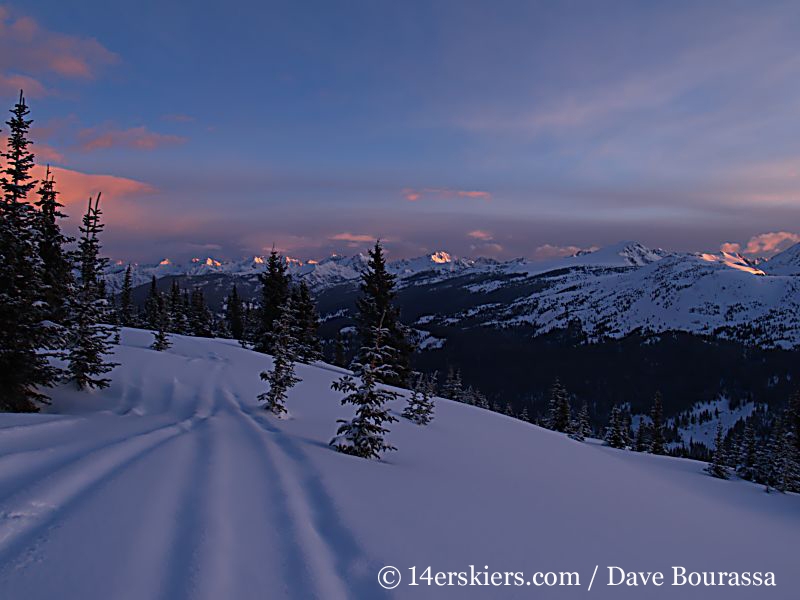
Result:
[{"x": 482, "y": 128}]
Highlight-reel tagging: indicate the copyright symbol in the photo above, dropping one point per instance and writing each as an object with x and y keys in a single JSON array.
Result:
[{"x": 389, "y": 577}]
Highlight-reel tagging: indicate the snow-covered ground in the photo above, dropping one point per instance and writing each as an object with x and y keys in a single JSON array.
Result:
[{"x": 174, "y": 484}]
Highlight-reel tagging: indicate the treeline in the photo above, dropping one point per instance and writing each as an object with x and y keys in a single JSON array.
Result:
[{"x": 52, "y": 295}]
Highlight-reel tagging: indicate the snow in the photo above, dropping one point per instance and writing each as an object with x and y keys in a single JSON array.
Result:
[
  {"x": 172, "y": 483},
  {"x": 705, "y": 432}
]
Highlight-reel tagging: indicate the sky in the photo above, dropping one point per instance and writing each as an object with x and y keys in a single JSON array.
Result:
[{"x": 485, "y": 128}]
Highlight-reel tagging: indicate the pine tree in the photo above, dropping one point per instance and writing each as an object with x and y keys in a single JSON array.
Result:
[
  {"x": 274, "y": 292},
  {"x": 420, "y": 403},
  {"x": 56, "y": 263},
  {"x": 339, "y": 351},
  {"x": 559, "y": 416},
  {"x": 525, "y": 416},
  {"x": 176, "y": 315},
  {"x": 161, "y": 339},
  {"x": 657, "y": 443},
  {"x": 748, "y": 453},
  {"x": 376, "y": 305},
  {"x": 24, "y": 334},
  {"x": 126, "y": 308},
  {"x": 453, "y": 388},
  {"x": 89, "y": 335},
  {"x": 281, "y": 377},
  {"x": 309, "y": 348},
  {"x": 151, "y": 310},
  {"x": 200, "y": 317},
  {"x": 363, "y": 435},
  {"x": 582, "y": 428},
  {"x": 615, "y": 432},
  {"x": 641, "y": 444},
  {"x": 234, "y": 314},
  {"x": 717, "y": 467}
]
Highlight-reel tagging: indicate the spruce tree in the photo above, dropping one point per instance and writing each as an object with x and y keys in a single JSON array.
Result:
[
  {"x": 657, "y": 443},
  {"x": 281, "y": 377},
  {"x": 90, "y": 337},
  {"x": 525, "y": 416},
  {"x": 559, "y": 414},
  {"x": 24, "y": 334},
  {"x": 616, "y": 436},
  {"x": 453, "y": 388},
  {"x": 582, "y": 427},
  {"x": 234, "y": 314},
  {"x": 200, "y": 319},
  {"x": 339, "y": 351},
  {"x": 309, "y": 348},
  {"x": 126, "y": 308},
  {"x": 178, "y": 322},
  {"x": 420, "y": 406},
  {"x": 161, "y": 339},
  {"x": 717, "y": 467},
  {"x": 641, "y": 444},
  {"x": 56, "y": 262},
  {"x": 376, "y": 306},
  {"x": 151, "y": 305},
  {"x": 747, "y": 461},
  {"x": 274, "y": 292},
  {"x": 364, "y": 434}
]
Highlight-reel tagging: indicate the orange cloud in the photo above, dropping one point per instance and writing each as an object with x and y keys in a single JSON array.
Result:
[
  {"x": 412, "y": 195},
  {"x": 138, "y": 138},
  {"x": 27, "y": 47},
  {"x": 351, "y": 237},
  {"x": 479, "y": 234},
  {"x": 76, "y": 187},
  {"x": 731, "y": 247},
  {"x": 768, "y": 243}
]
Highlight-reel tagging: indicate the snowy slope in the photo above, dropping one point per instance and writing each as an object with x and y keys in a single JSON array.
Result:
[{"x": 173, "y": 484}]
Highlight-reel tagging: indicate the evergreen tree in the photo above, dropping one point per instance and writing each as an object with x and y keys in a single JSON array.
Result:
[
  {"x": 363, "y": 435},
  {"x": 748, "y": 453},
  {"x": 24, "y": 368},
  {"x": 717, "y": 467},
  {"x": 234, "y": 314},
  {"x": 615, "y": 432},
  {"x": 339, "y": 351},
  {"x": 582, "y": 428},
  {"x": 420, "y": 403},
  {"x": 56, "y": 262},
  {"x": 151, "y": 305},
  {"x": 161, "y": 339},
  {"x": 453, "y": 389},
  {"x": 89, "y": 336},
  {"x": 309, "y": 348},
  {"x": 376, "y": 306},
  {"x": 274, "y": 292},
  {"x": 657, "y": 443},
  {"x": 126, "y": 308},
  {"x": 175, "y": 314},
  {"x": 282, "y": 376},
  {"x": 559, "y": 415},
  {"x": 525, "y": 416},
  {"x": 641, "y": 444},
  {"x": 200, "y": 317}
]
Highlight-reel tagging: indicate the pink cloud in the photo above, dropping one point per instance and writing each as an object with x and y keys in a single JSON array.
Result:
[
  {"x": 138, "y": 138},
  {"x": 47, "y": 154},
  {"x": 731, "y": 247},
  {"x": 550, "y": 251},
  {"x": 351, "y": 237},
  {"x": 28, "y": 47},
  {"x": 412, "y": 195},
  {"x": 11, "y": 84},
  {"x": 480, "y": 234},
  {"x": 770, "y": 243},
  {"x": 76, "y": 187}
]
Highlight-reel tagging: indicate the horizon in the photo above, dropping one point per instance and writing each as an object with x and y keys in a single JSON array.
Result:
[{"x": 520, "y": 130}]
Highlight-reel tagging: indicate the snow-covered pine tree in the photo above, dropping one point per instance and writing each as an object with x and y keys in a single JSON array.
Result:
[
  {"x": 641, "y": 444},
  {"x": 657, "y": 442},
  {"x": 364, "y": 434},
  {"x": 151, "y": 310},
  {"x": 89, "y": 336},
  {"x": 24, "y": 334},
  {"x": 56, "y": 262},
  {"x": 614, "y": 432},
  {"x": 309, "y": 348},
  {"x": 419, "y": 408},
  {"x": 376, "y": 305},
  {"x": 559, "y": 412},
  {"x": 525, "y": 416},
  {"x": 127, "y": 315},
  {"x": 717, "y": 466},
  {"x": 200, "y": 319},
  {"x": 582, "y": 427},
  {"x": 453, "y": 389},
  {"x": 234, "y": 314},
  {"x": 747, "y": 460},
  {"x": 274, "y": 292},
  {"x": 478, "y": 398},
  {"x": 281, "y": 377}
]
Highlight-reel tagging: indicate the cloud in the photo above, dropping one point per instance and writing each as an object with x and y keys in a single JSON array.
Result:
[
  {"x": 75, "y": 187},
  {"x": 352, "y": 237},
  {"x": 731, "y": 247},
  {"x": 479, "y": 234},
  {"x": 550, "y": 251},
  {"x": 138, "y": 138},
  {"x": 771, "y": 243},
  {"x": 11, "y": 84},
  {"x": 33, "y": 51},
  {"x": 413, "y": 195}
]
